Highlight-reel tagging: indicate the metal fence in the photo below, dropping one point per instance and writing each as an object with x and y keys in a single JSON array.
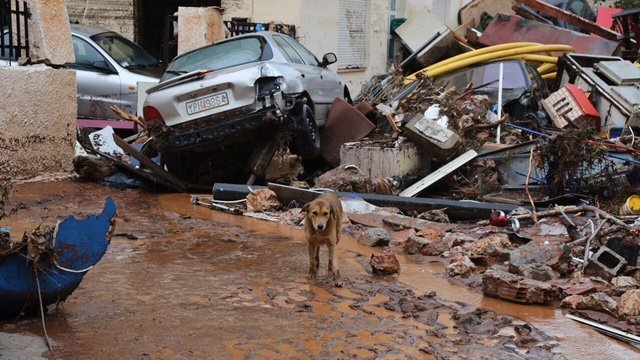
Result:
[
  {"x": 243, "y": 27},
  {"x": 14, "y": 42}
]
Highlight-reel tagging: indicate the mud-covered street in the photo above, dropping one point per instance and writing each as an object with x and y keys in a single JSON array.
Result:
[{"x": 181, "y": 281}]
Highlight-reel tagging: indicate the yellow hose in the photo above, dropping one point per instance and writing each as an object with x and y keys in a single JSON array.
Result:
[
  {"x": 549, "y": 76},
  {"x": 534, "y": 58},
  {"x": 545, "y": 68},
  {"x": 452, "y": 66},
  {"x": 479, "y": 52}
]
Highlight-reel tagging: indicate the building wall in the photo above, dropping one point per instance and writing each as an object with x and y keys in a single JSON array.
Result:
[{"x": 116, "y": 15}]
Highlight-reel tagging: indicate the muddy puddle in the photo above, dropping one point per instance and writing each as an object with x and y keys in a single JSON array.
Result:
[{"x": 185, "y": 282}]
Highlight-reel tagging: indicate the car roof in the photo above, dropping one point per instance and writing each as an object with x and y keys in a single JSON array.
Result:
[{"x": 87, "y": 30}]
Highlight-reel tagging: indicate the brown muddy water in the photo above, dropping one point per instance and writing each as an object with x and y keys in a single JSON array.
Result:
[{"x": 185, "y": 282}]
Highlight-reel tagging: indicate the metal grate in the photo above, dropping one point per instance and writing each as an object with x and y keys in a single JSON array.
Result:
[
  {"x": 243, "y": 27},
  {"x": 14, "y": 42}
]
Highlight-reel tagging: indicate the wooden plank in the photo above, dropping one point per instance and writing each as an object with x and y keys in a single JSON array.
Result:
[
  {"x": 432, "y": 178},
  {"x": 156, "y": 169},
  {"x": 571, "y": 18}
]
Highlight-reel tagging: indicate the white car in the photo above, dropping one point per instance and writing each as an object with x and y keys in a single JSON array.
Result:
[{"x": 241, "y": 86}]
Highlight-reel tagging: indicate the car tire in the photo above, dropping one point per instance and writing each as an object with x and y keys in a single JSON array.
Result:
[{"x": 306, "y": 138}]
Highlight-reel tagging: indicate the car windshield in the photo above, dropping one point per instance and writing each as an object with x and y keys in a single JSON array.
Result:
[
  {"x": 484, "y": 78},
  {"x": 125, "y": 52},
  {"x": 218, "y": 56}
]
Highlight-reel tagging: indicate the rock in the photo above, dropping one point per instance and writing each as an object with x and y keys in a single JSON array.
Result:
[
  {"x": 540, "y": 272},
  {"x": 489, "y": 250},
  {"x": 375, "y": 237},
  {"x": 432, "y": 233},
  {"x": 414, "y": 245},
  {"x": 457, "y": 239},
  {"x": 629, "y": 308},
  {"x": 577, "y": 251},
  {"x": 596, "y": 302},
  {"x": 460, "y": 265},
  {"x": 582, "y": 288},
  {"x": 262, "y": 200},
  {"x": 516, "y": 288},
  {"x": 346, "y": 179},
  {"x": 434, "y": 247},
  {"x": 551, "y": 255},
  {"x": 384, "y": 263},
  {"x": 624, "y": 283},
  {"x": 435, "y": 216}
]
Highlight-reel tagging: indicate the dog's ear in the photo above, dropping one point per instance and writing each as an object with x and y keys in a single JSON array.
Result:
[
  {"x": 305, "y": 208},
  {"x": 333, "y": 214}
]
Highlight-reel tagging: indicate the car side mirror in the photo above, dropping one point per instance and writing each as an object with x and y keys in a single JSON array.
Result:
[
  {"x": 103, "y": 67},
  {"x": 328, "y": 59}
]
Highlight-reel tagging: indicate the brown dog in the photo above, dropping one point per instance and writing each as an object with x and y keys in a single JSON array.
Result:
[{"x": 322, "y": 226}]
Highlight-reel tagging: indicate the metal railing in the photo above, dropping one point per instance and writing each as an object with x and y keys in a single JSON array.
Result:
[
  {"x": 14, "y": 42},
  {"x": 242, "y": 27}
]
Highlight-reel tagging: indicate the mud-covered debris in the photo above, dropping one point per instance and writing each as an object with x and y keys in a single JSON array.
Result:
[
  {"x": 347, "y": 179},
  {"x": 384, "y": 263},
  {"x": 39, "y": 241},
  {"x": 414, "y": 244},
  {"x": 624, "y": 283},
  {"x": 375, "y": 237},
  {"x": 540, "y": 272},
  {"x": 629, "y": 307},
  {"x": 458, "y": 239},
  {"x": 552, "y": 255},
  {"x": 460, "y": 265},
  {"x": 489, "y": 250},
  {"x": 5, "y": 190},
  {"x": 93, "y": 169},
  {"x": 435, "y": 246},
  {"x": 516, "y": 288},
  {"x": 262, "y": 200},
  {"x": 438, "y": 215},
  {"x": 596, "y": 302}
]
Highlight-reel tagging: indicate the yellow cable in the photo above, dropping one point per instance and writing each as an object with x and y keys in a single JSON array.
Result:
[
  {"x": 545, "y": 68},
  {"x": 440, "y": 70},
  {"x": 477, "y": 52},
  {"x": 549, "y": 76}
]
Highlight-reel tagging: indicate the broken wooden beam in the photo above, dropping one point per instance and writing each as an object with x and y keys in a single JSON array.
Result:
[
  {"x": 572, "y": 19},
  {"x": 432, "y": 178},
  {"x": 456, "y": 210}
]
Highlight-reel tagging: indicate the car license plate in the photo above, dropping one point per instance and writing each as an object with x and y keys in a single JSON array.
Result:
[{"x": 210, "y": 102}]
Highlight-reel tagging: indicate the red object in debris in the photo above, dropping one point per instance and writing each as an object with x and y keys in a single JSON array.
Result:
[
  {"x": 505, "y": 29},
  {"x": 605, "y": 16},
  {"x": 498, "y": 218},
  {"x": 583, "y": 101},
  {"x": 344, "y": 124}
]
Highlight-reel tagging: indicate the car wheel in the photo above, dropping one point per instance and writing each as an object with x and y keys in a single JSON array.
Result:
[{"x": 307, "y": 136}]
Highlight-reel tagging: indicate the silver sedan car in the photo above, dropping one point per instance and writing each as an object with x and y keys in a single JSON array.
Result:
[{"x": 240, "y": 86}]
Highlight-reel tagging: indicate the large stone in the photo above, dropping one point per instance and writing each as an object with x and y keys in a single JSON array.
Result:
[
  {"x": 629, "y": 308},
  {"x": 49, "y": 32},
  {"x": 262, "y": 200},
  {"x": 37, "y": 121},
  {"x": 375, "y": 237},
  {"x": 596, "y": 302},
  {"x": 551, "y": 255},
  {"x": 458, "y": 239},
  {"x": 414, "y": 244},
  {"x": 384, "y": 263},
  {"x": 198, "y": 26},
  {"x": 540, "y": 272},
  {"x": 460, "y": 265},
  {"x": 434, "y": 247},
  {"x": 489, "y": 250},
  {"x": 516, "y": 288},
  {"x": 624, "y": 283}
]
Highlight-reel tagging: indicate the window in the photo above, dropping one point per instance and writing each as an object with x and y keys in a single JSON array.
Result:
[
  {"x": 126, "y": 53},
  {"x": 351, "y": 34},
  {"x": 219, "y": 56},
  {"x": 85, "y": 54},
  {"x": 306, "y": 55},
  {"x": 287, "y": 50}
]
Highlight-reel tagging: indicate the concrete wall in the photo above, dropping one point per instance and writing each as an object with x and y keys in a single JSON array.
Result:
[
  {"x": 49, "y": 33},
  {"x": 116, "y": 15},
  {"x": 198, "y": 26},
  {"x": 37, "y": 121}
]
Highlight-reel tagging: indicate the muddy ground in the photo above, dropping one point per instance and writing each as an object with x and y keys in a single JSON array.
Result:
[{"x": 185, "y": 282}]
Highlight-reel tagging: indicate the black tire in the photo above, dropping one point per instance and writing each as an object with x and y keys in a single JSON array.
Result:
[{"x": 306, "y": 138}]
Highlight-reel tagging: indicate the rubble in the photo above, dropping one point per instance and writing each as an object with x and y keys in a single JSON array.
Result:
[
  {"x": 552, "y": 255},
  {"x": 460, "y": 265},
  {"x": 605, "y": 264},
  {"x": 629, "y": 307},
  {"x": 262, "y": 200},
  {"x": 384, "y": 263},
  {"x": 375, "y": 237},
  {"x": 597, "y": 302},
  {"x": 516, "y": 288}
]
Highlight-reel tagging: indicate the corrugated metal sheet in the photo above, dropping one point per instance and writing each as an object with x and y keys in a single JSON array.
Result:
[
  {"x": 351, "y": 35},
  {"x": 116, "y": 15}
]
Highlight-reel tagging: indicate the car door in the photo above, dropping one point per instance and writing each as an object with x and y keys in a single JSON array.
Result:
[
  {"x": 98, "y": 82},
  {"x": 328, "y": 84}
]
